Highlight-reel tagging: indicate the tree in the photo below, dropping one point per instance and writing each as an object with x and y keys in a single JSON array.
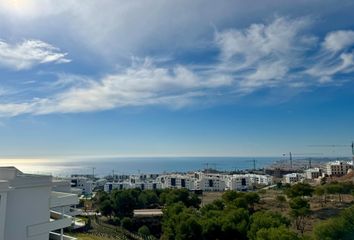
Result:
[
  {"x": 124, "y": 202},
  {"x": 320, "y": 192},
  {"x": 281, "y": 200},
  {"x": 180, "y": 222},
  {"x": 340, "y": 227},
  {"x": 300, "y": 209},
  {"x": 264, "y": 220},
  {"x": 189, "y": 229},
  {"x": 127, "y": 223},
  {"x": 299, "y": 190},
  {"x": 229, "y": 196},
  {"x": 171, "y": 196},
  {"x": 252, "y": 198},
  {"x": 279, "y": 233},
  {"x": 144, "y": 231},
  {"x": 147, "y": 199},
  {"x": 105, "y": 207},
  {"x": 234, "y": 223}
]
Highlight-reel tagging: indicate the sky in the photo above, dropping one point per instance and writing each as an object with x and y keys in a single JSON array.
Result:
[{"x": 175, "y": 78}]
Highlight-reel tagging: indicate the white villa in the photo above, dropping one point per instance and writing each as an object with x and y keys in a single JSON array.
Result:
[{"x": 26, "y": 207}]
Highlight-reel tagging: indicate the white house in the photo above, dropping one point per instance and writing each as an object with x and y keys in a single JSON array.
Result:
[{"x": 26, "y": 203}]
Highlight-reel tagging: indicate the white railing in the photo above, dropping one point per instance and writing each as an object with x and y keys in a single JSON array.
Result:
[{"x": 57, "y": 236}]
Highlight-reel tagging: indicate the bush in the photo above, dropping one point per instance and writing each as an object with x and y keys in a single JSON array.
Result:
[
  {"x": 144, "y": 231},
  {"x": 127, "y": 223}
]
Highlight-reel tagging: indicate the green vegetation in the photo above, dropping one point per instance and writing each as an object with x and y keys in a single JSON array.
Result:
[
  {"x": 339, "y": 228},
  {"x": 232, "y": 217},
  {"x": 287, "y": 213}
]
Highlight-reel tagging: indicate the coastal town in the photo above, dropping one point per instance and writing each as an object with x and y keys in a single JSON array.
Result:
[
  {"x": 176, "y": 120},
  {"x": 64, "y": 194}
]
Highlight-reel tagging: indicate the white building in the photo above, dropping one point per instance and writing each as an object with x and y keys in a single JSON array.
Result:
[
  {"x": 109, "y": 186},
  {"x": 312, "y": 173},
  {"x": 338, "y": 168},
  {"x": 83, "y": 183},
  {"x": 293, "y": 177},
  {"x": 177, "y": 181},
  {"x": 211, "y": 182},
  {"x": 260, "y": 179},
  {"x": 26, "y": 203},
  {"x": 238, "y": 182}
]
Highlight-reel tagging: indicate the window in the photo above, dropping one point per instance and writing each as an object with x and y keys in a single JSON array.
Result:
[
  {"x": 183, "y": 182},
  {"x": 173, "y": 181},
  {"x": 211, "y": 183}
]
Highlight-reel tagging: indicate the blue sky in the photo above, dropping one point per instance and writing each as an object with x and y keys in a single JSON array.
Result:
[{"x": 180, "y": 78}]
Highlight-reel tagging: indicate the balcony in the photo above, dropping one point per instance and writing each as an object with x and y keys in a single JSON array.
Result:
[
  {"x": 57, "y": 236},
  {"x": 59, "y": 199},
  {"x": 49, "y": 226}
]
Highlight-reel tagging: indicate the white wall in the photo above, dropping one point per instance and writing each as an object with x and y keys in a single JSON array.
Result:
[{"x": 26, "y": 206}]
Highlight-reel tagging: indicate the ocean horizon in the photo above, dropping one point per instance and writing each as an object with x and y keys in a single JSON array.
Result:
[{"x": 135, "y": 165}]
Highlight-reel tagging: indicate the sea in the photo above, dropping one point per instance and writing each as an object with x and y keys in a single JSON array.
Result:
[{"x": 101, "y": 167}]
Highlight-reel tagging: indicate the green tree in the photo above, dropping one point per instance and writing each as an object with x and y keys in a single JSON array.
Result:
[
  {"x": 127, "y": 223},
  {"x": 340, "y": 227},
  {"x": 105, "y": 207},
  {"x": 299, "y": 190},
  {"x": 234, "y": 224},
  {"x": 252, "y": 198},
  {"x": 124, "y": 202},
  {"x": 264, "y": 220},
  {"x": 171, "y": 196},
  {"x": 300, "y": 209},
  {"x": 148, "y": 199},
  {"x": 320, "y": 192},
  {"x": 229, "y": 196},
  {"x": 189, "y": 229},
  {"x": 144, "y": 231},
  {"x": 279, "y": 233}
]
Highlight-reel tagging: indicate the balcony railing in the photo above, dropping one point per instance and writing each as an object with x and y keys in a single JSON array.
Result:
[{"x": 57, "y": 236}]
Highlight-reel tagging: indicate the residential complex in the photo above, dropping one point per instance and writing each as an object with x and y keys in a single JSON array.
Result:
[
  {"x": 29, "y": 209},
  {"x": 192, "y": 181}
]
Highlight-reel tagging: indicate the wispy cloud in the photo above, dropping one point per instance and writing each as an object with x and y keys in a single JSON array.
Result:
[
  {"x": 282, "y": 53},
  {"x": 29, "y": 53},
  {"x": 339, "y": 40}
]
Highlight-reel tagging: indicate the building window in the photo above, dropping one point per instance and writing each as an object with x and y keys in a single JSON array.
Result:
[
  {"x": 183, "y": 182},
  {"x": 173, "y": 181}
]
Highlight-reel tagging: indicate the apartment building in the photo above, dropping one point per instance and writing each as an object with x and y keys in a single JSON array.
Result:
[
  {"x": 338, "y": 168},
  {"x": 293, "y": 177},
  {"x": 313, "y": 173},
  {"x": 210, "y": 184},
  {"x": 109, "y": 186},
  {"x": 177, "y": 181},
  {"x": 260, "y": 179},
  {"x": 238, "y": 183},
  {"x": 83, "y": 183},
  {"x": 26, "y": 207}
]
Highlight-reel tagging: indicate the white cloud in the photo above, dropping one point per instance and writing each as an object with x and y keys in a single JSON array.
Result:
[
  {"x": 28, "y": 54},
  {"x": 339, "y": 40},
  {"x": 263, "y": 55},
  {"x": 280, "y": 54},
  {"x": 140, "y": 85}
]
